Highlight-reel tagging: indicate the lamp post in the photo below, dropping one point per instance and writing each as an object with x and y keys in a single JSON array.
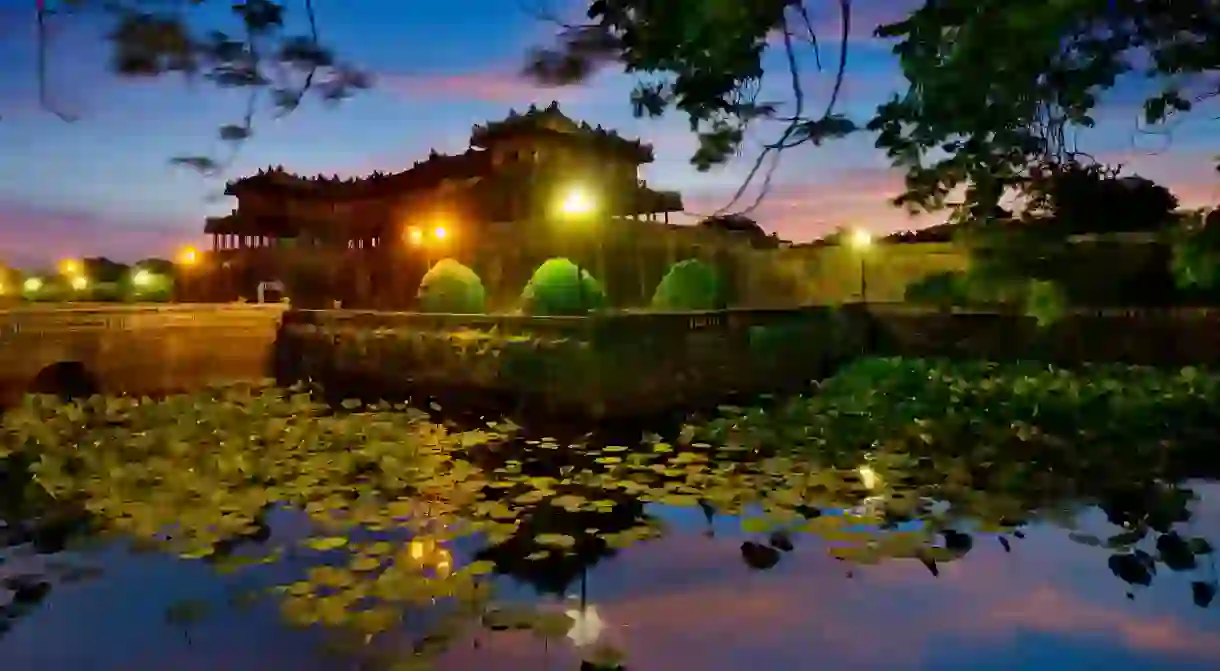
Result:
[
  {"x": 861, "y": 241},
  {"x": 578, "y": 204}
]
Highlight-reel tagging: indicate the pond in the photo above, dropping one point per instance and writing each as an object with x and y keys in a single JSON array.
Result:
[{"x": 903, "y": 515}]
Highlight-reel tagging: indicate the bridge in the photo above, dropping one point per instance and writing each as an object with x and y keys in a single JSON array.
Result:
[{"x": 132, "y": 349}]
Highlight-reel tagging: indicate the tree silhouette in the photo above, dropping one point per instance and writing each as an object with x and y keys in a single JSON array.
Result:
[
  {"x": 149, "y": 39},
  {"x": 973, "y": 116},
  {"x": 1077, "y": 198}
]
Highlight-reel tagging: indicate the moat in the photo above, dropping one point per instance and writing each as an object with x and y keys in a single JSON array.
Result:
[{"x": 1019, "y": 527}]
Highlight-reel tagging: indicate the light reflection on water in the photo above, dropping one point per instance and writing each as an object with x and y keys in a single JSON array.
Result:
[{"x": 684, "y": 601}]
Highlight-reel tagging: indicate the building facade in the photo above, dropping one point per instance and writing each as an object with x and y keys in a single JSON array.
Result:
[{"x": 515, "y": 173}]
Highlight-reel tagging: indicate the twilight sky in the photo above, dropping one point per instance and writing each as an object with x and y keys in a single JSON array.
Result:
[{"x": 103, "y": 185}]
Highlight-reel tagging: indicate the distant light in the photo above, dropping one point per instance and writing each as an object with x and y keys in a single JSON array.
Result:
[
  {"x": 861, "y": 239},
  {"x": 141, "y": 278},
  {"x": 80, "y": 282},
  {"x": 70, "y": 267},
  {"x": 32, "y": 284},
  {"x": 439, "y": 233},
  {"x": 188, "y": 256},
  {"x": 577, "y": 202},
  {"x": 415, "y": 236}
]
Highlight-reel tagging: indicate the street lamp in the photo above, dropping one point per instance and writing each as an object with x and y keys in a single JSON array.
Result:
[
  {"x": 80, "y": 283},
  {"x": 861, "y": 241},
  {"x": 69, "y": 267},
  {"x": 33, "y": 284},
  {"x": 188, "y": 256},
  {"x": 577, "y": 203}
]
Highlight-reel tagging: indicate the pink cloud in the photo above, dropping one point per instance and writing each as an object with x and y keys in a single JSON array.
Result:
[
  {"x": 491, "y": 86},
  {"x": 688, "y": 603},
  {"x": 801, "y": 212},
  {"x": 32, "y": 237}
]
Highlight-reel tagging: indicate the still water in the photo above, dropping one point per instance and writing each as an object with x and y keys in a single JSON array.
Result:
[{"x": 890, "y": 565}]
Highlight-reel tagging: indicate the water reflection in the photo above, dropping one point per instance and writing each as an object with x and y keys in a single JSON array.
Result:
[{"x": 393, "y": 542}]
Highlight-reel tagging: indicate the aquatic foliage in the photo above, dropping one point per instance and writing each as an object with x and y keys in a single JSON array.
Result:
[
  {"x": 689, "y": 285},
  {"x": 891, "y": 460},
  {"x": 554, "y": 290},
  {"x": 450, "y": 287}
]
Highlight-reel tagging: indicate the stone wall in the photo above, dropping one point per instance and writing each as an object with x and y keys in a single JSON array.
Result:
[
  {"x": 831, "y": 275},
  {"x": 133, "y": 349}
]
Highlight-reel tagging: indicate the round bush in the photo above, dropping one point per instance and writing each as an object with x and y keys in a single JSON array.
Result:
[
  {"x": 554, "y": 290},
  {"x": 452, "y": 288},
  {"x": 689, "y": 285}
]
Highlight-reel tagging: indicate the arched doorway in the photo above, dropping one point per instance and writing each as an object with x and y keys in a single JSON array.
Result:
[{"x": 271, "y": 292}]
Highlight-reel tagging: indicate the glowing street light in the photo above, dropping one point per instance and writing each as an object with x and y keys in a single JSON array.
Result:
[
  {"x": 80, "y": 283},
  {"x": 415, "y": 236},
  {"x": 576, "y": 203},
  {"x": 440, "y": 233},
  {"x": 69, "y": 267},
  {"x": 188, "y": 256},
  {"x": 861, "y": 241},
  {"x": 32, "y": 284}
]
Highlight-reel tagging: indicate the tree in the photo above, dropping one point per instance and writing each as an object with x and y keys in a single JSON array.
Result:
[
  {"x": 153, "y": 38},
  {"x": 1076, "y": 198},
  {"x": 987, "y": 118},
  {"x": 703, "y": 58},
  {"x": 975, "y": 116}
]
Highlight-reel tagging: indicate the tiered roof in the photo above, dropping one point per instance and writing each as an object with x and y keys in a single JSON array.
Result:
[{"x": 474, "y": 162}]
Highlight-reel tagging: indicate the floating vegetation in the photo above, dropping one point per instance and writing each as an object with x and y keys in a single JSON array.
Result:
[{"x": 889, "y": 460}]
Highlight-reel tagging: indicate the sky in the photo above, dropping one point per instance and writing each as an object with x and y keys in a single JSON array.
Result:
[{"x": 103, "y": 184}]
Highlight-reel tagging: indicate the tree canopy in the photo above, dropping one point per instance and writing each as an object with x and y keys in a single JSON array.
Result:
[{"x": 994, "y": 88}]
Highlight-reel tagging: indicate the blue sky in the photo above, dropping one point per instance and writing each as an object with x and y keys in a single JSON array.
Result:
[{"x": 103, "y": 184}]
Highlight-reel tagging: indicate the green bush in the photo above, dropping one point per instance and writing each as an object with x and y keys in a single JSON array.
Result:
[
  {"x": 1045, "y": 301},
  {"x": 554, "y": 290},
  {"x": 452, "y": 288},
  {"x": 943, "y": 290},
  {"x": 689, "y": 285}
]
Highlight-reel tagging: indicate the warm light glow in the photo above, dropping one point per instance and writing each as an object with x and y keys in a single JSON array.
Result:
[
  {"x": 69, "y": 267},
  {"x": 577, "y": 202},
  {"x": 188, "y": 256},
  {"x": 440, "y": 233},
  {"x": 415, "y": 236},
  {"x": 142, "y": 278},
  {"x": 868, "y": 477},
  {"x": 417, "y": 550},
  {"x": 80, "y": 282},
  {"x": 861, "y": 239},
  {"x": 33, "y": 284}
]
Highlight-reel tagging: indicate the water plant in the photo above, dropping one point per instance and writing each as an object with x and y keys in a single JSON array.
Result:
[{"x": 891, "y": 459}]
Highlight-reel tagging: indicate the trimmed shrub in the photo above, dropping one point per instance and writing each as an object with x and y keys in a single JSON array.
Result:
[
  {"x": 689, "y": 285},
  {"x": 450, "y": 287},
  {"x": 554, "y": 290}
]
